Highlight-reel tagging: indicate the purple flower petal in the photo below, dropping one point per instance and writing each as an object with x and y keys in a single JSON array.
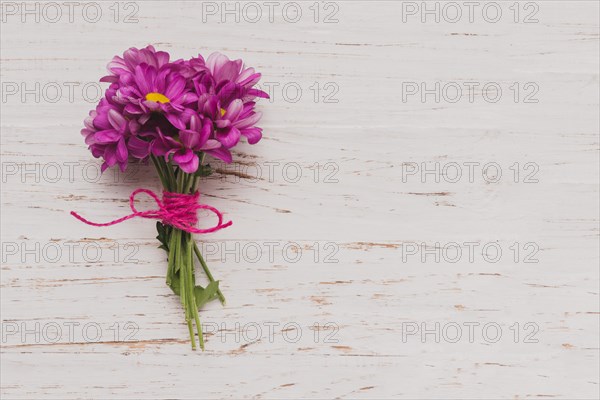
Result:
[
  {"x": 195, "y": 123},
  {"x": 121, "y": 151},
  {"x": 223, "y": 123},
  {"x": 258, "y": 93},
  {"x": 183, "y": 156},
  {"x": 110, "y": 156},
  {"x": 175, "y": 120},
  {"x": 205, "y": 131},
  {"x": 190, "y": 166},
  {"x": 234, "y": 109},
  {"x": 117, "y": 120},
  {"x": 108, "y": 136},
  {"x": 229, "y": 139},
  {"x": 133, "y": 109},
  {"x": 221, "y": 153},
  {"x": 248, "y": 121},
  {"x": 211, "y": 144},
  {"x": 138, "y": 148},
  {"x": 252, "y": 134},
  {"x": 189, "y": 139},
  {"x": 175, "y": 88}
]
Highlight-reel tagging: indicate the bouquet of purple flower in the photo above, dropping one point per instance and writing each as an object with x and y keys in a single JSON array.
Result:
[{"x": 174, "y": 113}]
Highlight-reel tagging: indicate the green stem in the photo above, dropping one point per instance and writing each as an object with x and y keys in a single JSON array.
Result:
[
  {"x": 195, "y": 177},
  {"x": 187, "y": 269},
  {"x": 171, "y": 259},
  {"x": 192, "y": 290},
  {"x": 197, "y": 250},
  {"x": 160, "y": 172},
  {"x": 207, "y": 272},
  {"x": 168, "y": 173},
  {"x": 182, "y": 248},
  {"x": 187, "y": 293}
]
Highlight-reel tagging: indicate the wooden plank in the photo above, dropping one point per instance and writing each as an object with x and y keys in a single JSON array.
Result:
[{"x": 367, "y": 223}]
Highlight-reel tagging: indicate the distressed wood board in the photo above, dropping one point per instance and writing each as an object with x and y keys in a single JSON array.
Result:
[{"x": 419, "y": 221}]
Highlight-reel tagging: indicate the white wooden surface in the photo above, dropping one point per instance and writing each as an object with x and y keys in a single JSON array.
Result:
[{"x": 366, "y": 216}]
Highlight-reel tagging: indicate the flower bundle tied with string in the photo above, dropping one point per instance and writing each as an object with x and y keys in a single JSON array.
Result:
[{"x": 174, "y": 113}]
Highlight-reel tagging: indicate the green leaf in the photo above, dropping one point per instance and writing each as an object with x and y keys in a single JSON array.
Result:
[
  {"x": 204, "y": 295},
  {"x": 204, "y": 171},
  {"x": 163, "y": 236}
]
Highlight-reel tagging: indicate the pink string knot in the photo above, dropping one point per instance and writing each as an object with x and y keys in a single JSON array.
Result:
[{"x": 175, "y": 209}]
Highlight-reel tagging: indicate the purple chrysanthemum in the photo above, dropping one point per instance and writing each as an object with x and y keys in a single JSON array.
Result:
[
  {"x": 184, "y": 149},
  {"x": 107, "y": 132},
  {"x": 232, "y": 122},
  {"x": 123, "y": 68},
  {"x": 176, "y": 109},
  {"x": 233, "y": 80},
  {"x": 157, "y": 90}
]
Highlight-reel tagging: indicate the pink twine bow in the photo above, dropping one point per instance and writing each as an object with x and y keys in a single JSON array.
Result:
[{"x": 176, "y": 209}]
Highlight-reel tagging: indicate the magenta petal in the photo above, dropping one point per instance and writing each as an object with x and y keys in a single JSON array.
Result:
[
  {"x": 231, "y": 138},
  {"x": 229, "y": 91},
  {"x": 187, "y": 98},
  {"x": 101, "y": 121},
  {"x": 133, "y": 109},
  {"x": 183, "y": 157},
  {"x": 245, "y": 74},
  {"x": 152, "y": 105},
  {"x": 190, "y": 166},
  {"x": 248, "y": 77},
  {"x": 211, "y": 107},
  {"x": 134, "y": 126},
  {"x": 158, "y": 148},
  {"x": 89, "y": 121},
  {"x": 90, "y": 138},
  {"x": 216, "y": 61},
  {"x": 110, "y": 156},
  {"x": 175, "y": 88},
  {"x": 144, "y": 118},
  {"x": 142, "y": 78},
  {"x": 108, "y": 136},
  {"x": 175, "y": 120},
  {"x": 253, "y": 134},
  {"x": 211, "y": 144},
  {"x": 248, "y": 121},
  {"x": 221, "y": 153},
  {"x": 109, "y": 78},
  {"x": 162, "y": 57},
  {"x": 206, "y": 130},
  {"x": 97, "y": 151},
  {"x": 229, "y": 71},
  {"x": 190, "y": 139},
  {"x": 117, "y": 120},
  {"x": 223, "y": 123},
  {"x": 121, "y": 151},
  {"x": 138, "y": 148},
  {"x": 202, "y": 100},
  {"x": 195, "y": 123},
  {"x": 258, "y": 93},
  {"x": 170, "y": 107},
  {"x": 170, "y": 142},
  {"x": 234, "y": 109}
]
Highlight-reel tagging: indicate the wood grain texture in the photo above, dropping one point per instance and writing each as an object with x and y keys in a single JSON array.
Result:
[{"x": 353, "y": 270}]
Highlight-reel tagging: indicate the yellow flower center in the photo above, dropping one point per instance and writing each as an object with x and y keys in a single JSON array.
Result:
[
  {"x": 222, "y": 112},
  {"x": 157, "y": 97}
]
